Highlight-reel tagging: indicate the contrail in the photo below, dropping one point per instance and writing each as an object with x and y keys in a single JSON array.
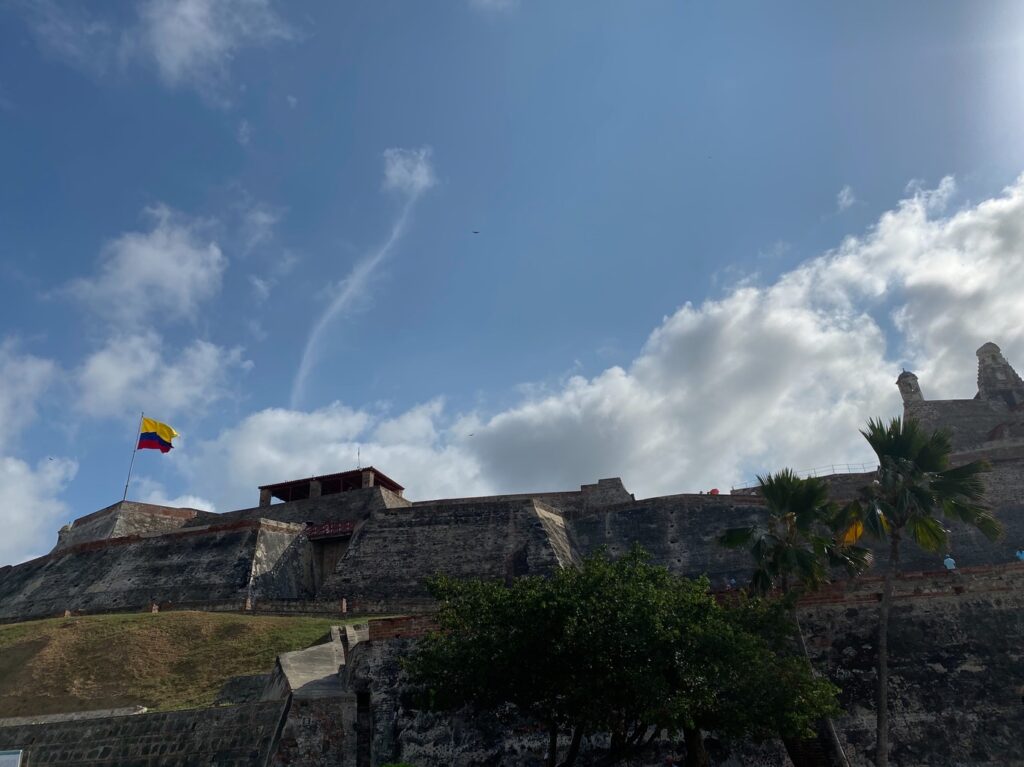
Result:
[{"x": 351, "y": 288}]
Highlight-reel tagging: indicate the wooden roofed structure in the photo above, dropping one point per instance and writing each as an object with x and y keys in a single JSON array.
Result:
[{"x": 328, "y": 484}]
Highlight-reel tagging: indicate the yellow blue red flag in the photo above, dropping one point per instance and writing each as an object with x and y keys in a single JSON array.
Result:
[{"x": 155, "y": 435}]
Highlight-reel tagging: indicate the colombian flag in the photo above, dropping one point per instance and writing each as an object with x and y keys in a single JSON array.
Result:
[{"x": 156, "y": 435}]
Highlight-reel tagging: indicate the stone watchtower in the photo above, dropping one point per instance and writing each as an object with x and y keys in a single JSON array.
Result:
[
  {"x": 997, "y": 380},
  {"x": 909, "y": 388}
]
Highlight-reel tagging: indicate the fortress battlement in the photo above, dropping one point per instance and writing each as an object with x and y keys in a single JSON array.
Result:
[{"x": 354, "y": 538}]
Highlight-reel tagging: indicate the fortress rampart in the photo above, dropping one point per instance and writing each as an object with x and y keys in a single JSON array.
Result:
[{"x": 353, "y": 542}]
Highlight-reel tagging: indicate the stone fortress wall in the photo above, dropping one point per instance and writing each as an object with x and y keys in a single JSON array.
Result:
[
  {"x": 353, "y": 542},
  {"x": 230, "y": 736}
]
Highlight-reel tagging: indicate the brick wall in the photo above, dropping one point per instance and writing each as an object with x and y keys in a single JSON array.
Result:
[{"x": 405, "y": 627}]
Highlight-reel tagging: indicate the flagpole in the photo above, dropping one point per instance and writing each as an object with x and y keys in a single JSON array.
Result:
[{"x": 138, "y": 431}]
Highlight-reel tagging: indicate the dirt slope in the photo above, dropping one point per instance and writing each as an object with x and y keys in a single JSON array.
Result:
[{"x": 163, "y": 661}]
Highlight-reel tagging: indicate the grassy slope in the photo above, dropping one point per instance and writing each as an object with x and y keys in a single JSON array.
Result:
[{"x": 163, "y": 661}]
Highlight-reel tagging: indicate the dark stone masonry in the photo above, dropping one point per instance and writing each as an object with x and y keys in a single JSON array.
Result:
[{"x": 353, "y": 543}]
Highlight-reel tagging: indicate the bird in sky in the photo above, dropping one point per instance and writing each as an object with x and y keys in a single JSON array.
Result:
[{"x": 475, "y": 232}]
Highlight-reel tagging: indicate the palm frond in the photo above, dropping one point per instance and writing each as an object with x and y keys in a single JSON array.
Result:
[
  {"x": 852, "y": 534},
  {"x": 874, "y": 518},
  {"x": 927, "y": 532},
  {"x": 974, "y": 515},
  {"x": 965, "y": 481},
  {"x": 853, "y": 559},
  {"x": 933, "y": 451},
  {"x": 737, "y": 537}
]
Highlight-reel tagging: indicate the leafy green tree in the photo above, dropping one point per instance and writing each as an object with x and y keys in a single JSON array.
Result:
[
  {"x": 620, "y": 647},
  {"x": 914, "y": 489},
  {"x": 743, "y": 680}
]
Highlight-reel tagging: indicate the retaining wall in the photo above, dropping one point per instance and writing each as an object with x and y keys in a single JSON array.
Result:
[
  {"x": 236, "y": 736},
  {"x": 390, "y": 557},
  {"x": 956, "y": 665},
  {"x": 192, "y": 565}
]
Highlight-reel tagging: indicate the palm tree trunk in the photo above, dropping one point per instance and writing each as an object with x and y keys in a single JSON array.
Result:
[
  {"x": 552, "y": 759},
  {"x": 696, "y": 756},
  {"x": 830, "y": 726},
  {"x": 574, "y": 747},
  {"x": 882, "y": 704}
]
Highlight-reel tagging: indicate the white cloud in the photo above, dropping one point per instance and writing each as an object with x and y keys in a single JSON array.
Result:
[
  {"x": 32, "y": 511},
  {"x": 767, "y": 376},
  {"x": 278, "y": 444},
  {"x": 149, "y": 490},
  {"x": 262, "y": 286},
  {"x": 786, "y": 373},
  {"x": 135, "y": 372},
  {"x": 256, "y": 330},
  {"x": 257, "y": 224},
  {"x": 162, "y": 274},
  {"x": 409, "y": 172},
  {"x": 193, "y": 42},
  {"x": 244, "y": 133},
  {"x": 845, "y": 199},
  {"x": 23, "y": 379},
  {"x": 72, "y": 33}
]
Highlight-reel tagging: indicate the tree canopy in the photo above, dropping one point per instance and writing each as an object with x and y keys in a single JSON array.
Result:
[{"x": 620, "y": 647}]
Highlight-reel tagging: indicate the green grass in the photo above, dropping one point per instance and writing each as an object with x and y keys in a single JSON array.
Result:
[{"x": 163, "y": 661}]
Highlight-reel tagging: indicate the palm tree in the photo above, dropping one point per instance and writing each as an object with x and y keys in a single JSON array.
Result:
[
  {"x": 795, "y": 550},
  {"x": 915, "y": 486},
  {"x": 796, "y": 546}
]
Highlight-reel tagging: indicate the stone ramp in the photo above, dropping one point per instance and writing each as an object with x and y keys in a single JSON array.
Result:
[{"x": 313, "y": 672}]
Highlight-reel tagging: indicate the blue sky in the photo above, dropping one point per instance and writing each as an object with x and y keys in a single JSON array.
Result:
[{"x": 709, "y": 236}]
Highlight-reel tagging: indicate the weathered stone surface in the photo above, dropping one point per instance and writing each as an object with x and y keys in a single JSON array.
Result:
[
  {"x": 226, "y": 737},
  {"x": 604, "y": 492},
  {"x": 956, "y": 647},
  {"x": 128, "y": 518},
  {"x": 678, "y": 531},
  {"x": 315, "y": 735},
  {"x": 390, "y": 556},
  {"x": 191, "y": 566},
  {"x": 350, "y": 506},
  {"x": 969, "y": 421}
]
